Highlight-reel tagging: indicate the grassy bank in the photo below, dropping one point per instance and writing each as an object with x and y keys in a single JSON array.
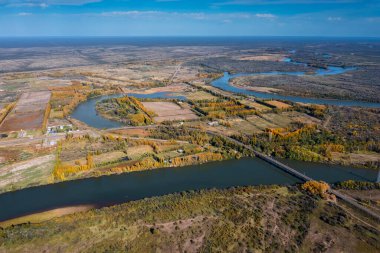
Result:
[{"x": 242, "y": 219}]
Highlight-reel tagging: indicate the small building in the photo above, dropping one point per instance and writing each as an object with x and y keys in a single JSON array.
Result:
[{"x": 213, "y": 123}]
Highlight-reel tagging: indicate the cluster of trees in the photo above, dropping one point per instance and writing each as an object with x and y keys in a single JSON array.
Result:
[
  {"x": 317, "y": 111},
  {"x": 221, "y": 108},
  {"x": 154, "y": 161},
  {"x": 61, "y": 171},
  {"x": 65, "y": 99},
  {"x": 46, "y": 116},
  {"x": 126, "y": 109},
  {"x": 195, "y": 159},
  {"x": 357, "y": 185},
  {"x": 4, "y": 111},
  {"x": 309, "y": 143},
  {"x": 319, "y": 188},
  {"x": 181, "y": 133}
]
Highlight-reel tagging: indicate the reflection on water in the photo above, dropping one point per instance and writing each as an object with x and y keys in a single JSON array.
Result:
[{"x": 108, "y": 190}]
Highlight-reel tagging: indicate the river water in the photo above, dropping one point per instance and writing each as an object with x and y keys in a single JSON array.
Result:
[
  {"x": 86, "y": 111},
  {"x": 224, "y": 84},
  {"x": 108, "y": 190}
]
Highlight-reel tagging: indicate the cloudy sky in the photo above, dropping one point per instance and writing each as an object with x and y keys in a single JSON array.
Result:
[{"x": 190, "y": 18}]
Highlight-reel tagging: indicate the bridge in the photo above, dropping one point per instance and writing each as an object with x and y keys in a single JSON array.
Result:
[
  {"x": 277, "y": 164},
  {"x": 299, "y": 175}
]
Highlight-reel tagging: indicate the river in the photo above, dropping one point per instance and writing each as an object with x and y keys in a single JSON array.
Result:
[
  {"x": 86, "y": 111},
  {"x": 224, "y": 84},
  {"x": 108, "y": 190}
]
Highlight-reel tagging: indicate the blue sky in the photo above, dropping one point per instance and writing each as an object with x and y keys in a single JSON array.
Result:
[{"x": 190, "y": 18}]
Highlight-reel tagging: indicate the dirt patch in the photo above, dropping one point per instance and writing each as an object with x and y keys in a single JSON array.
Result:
[
  {"x": 28, "y": 113},
  {"x": 168, "y": 111},
  {"x": 137, "y": 151},
  {"x": 26, "y": 172},
  {"x": 266, "y": 57}
]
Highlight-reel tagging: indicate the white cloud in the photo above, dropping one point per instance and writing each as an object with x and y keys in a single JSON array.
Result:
[
  {"x": 44, "y": 3},
  {"x": 270, "y": 2},
  {"x": 334, "y": 19},
  {"x": 24, "y": 14},
  {"x": 265, "y": 15}
]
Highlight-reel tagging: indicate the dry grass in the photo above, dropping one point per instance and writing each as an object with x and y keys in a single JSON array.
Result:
[
  {"x": 200, "y": 95},
  {"x": 45, "y": 216},
  {"x": 136, "y": 152},
  {"x": 301, "y": 117},
  {"x": 244, "y": 126},
  {"x": 28, "y": 113},
  {"x": 278, "y": 104},
  {"x": 265, "y": 57},
  {"x": 168, "y": 111},
  {"x": 278, "y": 119},
  {"x": 261, "y": 123},
  {"x": 255, "y": 105}
]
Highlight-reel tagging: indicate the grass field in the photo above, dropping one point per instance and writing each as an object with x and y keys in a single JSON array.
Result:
[
  {"x": 242, "y": 219},
  {"x": 26, "y": 173},
  {"x": 200, "y": 95},
  {"x": 261, "y": 123}
]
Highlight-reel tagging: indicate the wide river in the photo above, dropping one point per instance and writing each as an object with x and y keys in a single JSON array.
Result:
[{"x": 108, "y": 190}]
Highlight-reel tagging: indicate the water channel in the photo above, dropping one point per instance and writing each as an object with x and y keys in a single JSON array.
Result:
[{"x": 108, "y": 190}]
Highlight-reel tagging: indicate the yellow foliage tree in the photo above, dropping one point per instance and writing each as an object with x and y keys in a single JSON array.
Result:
[{"x": 316, "y": 187}]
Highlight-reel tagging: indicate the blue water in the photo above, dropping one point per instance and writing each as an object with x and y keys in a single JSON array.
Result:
[
  {"x": 224, "y": 84},
  {"x": 108, "y": 190}
]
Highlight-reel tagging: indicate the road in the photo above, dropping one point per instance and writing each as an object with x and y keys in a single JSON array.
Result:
[{"x": 175, "y": 73}]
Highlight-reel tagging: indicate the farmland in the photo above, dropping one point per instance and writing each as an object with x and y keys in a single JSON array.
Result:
[
  {"x": 168, "y": 111},
  {"x": 30, "y": 113}
]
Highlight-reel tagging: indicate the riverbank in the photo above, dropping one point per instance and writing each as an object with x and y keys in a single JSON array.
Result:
[
  {"x": 113, "y": 189},
  {"x": 45, "y": 216},
  {"x": 236, "y": 219}
]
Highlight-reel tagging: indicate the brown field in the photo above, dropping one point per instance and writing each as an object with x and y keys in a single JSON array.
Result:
[
  {"x": 169, "y": 111},
  {"x": 301, "y": 117},
  {"x": 133, "y": 132},
  {"x": 200, "y": 95},
  {"x": 278, "y": 104},
  {"x": 278, "y": 119},
  {"x": 169, "y": 88},
  {"x": 28, "y": 113},
  {"x": 261, "y": 123},
  {"x": 266, "y": 57},
  {"x": 244, "y": 126},
  {"x": 255, "y": 105},
  {"x": 137, "y": 151}
]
